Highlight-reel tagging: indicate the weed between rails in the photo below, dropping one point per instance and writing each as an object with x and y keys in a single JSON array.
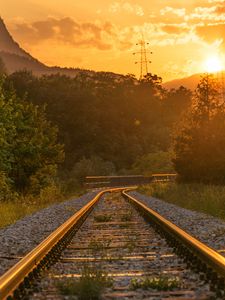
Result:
[
  {"x": 102, "y": 218},
  {"x": 160, "y": 283},
  {"x": 98, "y": 248},
  {"x": 127, "y": 217},
  {"x": 89, "y": 287}
]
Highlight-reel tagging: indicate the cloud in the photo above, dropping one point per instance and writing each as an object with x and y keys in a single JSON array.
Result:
[
  {"x": 212, "y": 33},
  {"x": 216, "y": 1},
  {"x": 214, "y": 12},
  {"x": 211, "y": 10},
  {"x": 67, "y": 30},
  {"x": 174, "y": 25},
  {"x": 220, "y": 9},
  {"x": 180, "y": 12},
  {"x": 127, "y": 7},
  {"x": 175, "y": 28}
]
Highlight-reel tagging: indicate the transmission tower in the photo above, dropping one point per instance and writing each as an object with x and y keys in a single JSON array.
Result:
[{"x": 144, "y": 61}]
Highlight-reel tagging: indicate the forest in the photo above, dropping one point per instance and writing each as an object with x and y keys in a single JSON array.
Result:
[
  {"x": 56, "y": 128},
  {"x": 105, "y": 119}
]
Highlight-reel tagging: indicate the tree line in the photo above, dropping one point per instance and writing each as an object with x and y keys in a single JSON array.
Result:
[
  {"x": 103, "y": 123},
  {"x": 113, "y": 117}
]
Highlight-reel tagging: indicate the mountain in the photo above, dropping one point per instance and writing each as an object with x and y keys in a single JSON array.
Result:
[
  {"x": 190, "y": 82},
  {"x": 7, "y": 44},
  {"x": 15, "y": 58}
]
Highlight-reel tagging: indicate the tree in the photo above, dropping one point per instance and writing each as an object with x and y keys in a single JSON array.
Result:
[
  {"x": 199, "y": 143},
  {"x": 2, "y": 67},
  {"x": 175, "y": 103},
  {"x": 206, "y": 101},
  {"x": 29, "y": 152},
  {"x": 154, "y": 162},
  {"x": 93, "y": 166}
]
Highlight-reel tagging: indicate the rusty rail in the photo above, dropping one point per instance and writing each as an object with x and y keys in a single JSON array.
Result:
[
  {"x": 26, "y": 269},
  {"x": 206, "y": 258}
]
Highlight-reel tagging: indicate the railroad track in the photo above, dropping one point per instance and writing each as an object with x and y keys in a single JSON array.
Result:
[{"x": 123, "y": 246}]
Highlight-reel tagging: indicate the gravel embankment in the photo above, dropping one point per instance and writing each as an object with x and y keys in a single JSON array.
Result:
[
  {"x": 21, "y": 237},
  {"x": 208, "y": 229},
  {"x": 18, "y": 239}
]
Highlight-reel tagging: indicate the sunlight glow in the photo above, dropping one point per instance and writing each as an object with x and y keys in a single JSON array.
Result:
[{"x": 213, "y": 64}]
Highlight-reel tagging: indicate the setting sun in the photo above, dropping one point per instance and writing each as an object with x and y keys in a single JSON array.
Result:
[{"x": 213, "y": 64}]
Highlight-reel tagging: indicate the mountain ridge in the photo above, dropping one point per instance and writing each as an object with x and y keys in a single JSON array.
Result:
[
  {"x": 189, "y": 82},
  {"x": 16, "y": 58},
  {"x": 7, "y": 43}
]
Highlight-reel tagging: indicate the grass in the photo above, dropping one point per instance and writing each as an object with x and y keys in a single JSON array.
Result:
[
  {"x": 124, "y": 225},
  {"x": 89, "y": 287},
  {"x": 99, "y": 248},
  {"x": 209, "y": 199},
  {"x": 102, "y": 218},
  {"x": 15, "y": 209},
  {"x": 130, "y": 246},
  {"x": 127, "y": 217},
  {"x": 160, "y": 283}
]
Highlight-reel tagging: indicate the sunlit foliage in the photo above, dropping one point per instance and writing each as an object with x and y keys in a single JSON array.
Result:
[
  {"x": 200, "y": 141},
  {"x": 29, "y": 152}
]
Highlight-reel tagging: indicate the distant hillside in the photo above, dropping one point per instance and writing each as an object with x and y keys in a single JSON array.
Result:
[{"x": 190, "y": 82}]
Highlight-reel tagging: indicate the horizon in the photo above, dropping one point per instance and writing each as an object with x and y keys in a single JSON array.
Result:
[{"x": 185, "y": 39}]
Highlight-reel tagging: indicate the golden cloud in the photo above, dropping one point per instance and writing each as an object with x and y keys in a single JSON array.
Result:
[
  {"x": 212, "y": 33},
  {"x": 175, "y": 29},
  {"x": 68, "y": 31},
  {"x": 127, "y": 7}
]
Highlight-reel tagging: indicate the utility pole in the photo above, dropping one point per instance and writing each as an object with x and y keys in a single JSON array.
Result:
[{"x": 144, "y": 57}]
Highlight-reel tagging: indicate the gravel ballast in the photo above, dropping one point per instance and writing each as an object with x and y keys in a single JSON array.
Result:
[
  {"x": 126, "y": 249},
  {"x": 208, "y": 229},
  {"x": 21, "y": 237}
]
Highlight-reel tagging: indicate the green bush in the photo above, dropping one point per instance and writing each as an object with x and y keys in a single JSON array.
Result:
[
  {"x": 154, "y": 162},
  {"x": 92, "y": 166},
  {"x": 29, "y": 152},
  {"x": 6, "y": 192}
]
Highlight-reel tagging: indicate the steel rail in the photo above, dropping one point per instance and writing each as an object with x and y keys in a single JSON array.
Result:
[
  {"x": 210, "y": 261},
  {"x": 15, "y": 276}
]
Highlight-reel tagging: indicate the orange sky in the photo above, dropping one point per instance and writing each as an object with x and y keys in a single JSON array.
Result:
[{"x": 102, "y": 34}]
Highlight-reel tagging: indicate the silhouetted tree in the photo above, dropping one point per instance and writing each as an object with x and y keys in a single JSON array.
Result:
[{"x": 200, "y": 141}]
